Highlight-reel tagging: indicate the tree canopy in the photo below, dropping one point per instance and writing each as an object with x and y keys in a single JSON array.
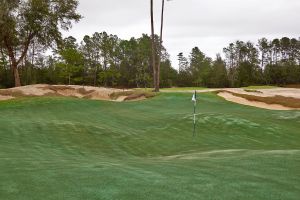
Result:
[{"x": 25, "y": 21}]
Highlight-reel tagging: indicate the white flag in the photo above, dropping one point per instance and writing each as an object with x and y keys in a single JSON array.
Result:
[{"x": 194, "y": 98}]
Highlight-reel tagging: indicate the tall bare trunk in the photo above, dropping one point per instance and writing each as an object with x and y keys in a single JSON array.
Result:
[
  {"x": 16, "y": 74},
  {"x": 69, "y": 79},
  {"x": 160, "y": 43},
  {"x": 26, "y": 70},
  {"x": 153, "y": 48},
  {"x": 96, "y": 76},
  {"x": 14, "y": 67}
]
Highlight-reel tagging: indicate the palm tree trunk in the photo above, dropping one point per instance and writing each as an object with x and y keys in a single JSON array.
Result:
[
  {"x": 153, "y": 48},
  {"x": 160, "y": 43}
]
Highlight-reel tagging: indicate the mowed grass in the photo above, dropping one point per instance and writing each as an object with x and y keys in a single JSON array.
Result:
[
  {"x": 175, "y": 89},
  {"x": 65, "y": 148},
  {"x": 259, "y": 87}
]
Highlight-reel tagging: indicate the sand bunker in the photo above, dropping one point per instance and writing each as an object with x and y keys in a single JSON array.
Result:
[
  {"x": 286, "y": 92},
  {"x": 227, "y": 94},
  {"x": 230, "y": 97},
  {"x": 87, "y": 92}
]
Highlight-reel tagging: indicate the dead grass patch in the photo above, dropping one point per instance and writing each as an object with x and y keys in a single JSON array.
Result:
[
  {"x": 12, "y": 93},
  {"x": 6, "y": 92},
  {"x": 50, "y": 94},
  {"x": 249, "y": 90},
  {"x": 292, "y": 86},
  {"x": 57, "y": 88},
  {"x": 85, "y": 92}
]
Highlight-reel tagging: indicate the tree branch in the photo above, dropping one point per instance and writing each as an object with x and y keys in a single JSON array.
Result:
[
  {"x": 10, "y": 50},
  {"x": 26, "y": 46}
]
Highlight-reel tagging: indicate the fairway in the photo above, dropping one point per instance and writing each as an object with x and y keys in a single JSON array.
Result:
[{"x": 56, "y": 148}]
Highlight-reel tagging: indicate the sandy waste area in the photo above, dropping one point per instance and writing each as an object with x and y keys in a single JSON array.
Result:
[
  {"x": 285, "y": 92},
  {"x": 95, "y": 93}
]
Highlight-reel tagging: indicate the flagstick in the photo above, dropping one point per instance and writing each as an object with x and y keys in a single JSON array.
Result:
[{"x": 195, "y": 103}]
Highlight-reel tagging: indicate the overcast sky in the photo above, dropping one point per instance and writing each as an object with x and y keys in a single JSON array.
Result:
[{"x": 208, "y": 24}]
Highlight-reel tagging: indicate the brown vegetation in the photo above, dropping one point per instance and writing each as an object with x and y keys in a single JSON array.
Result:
[
  {"x": 68, "y": 89},
  {"x": 292, "y": 86},
  {"x": 249, "y": 90},
  {"x": 11, "y": 93}
]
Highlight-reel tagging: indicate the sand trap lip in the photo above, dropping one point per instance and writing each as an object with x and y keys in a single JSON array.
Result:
[
  {"x": 39, "y": 90},
  {"x": 121, "y": 98},
  {"x": 286, "y": 92},
  {"x": 230, "y": 97},
  {"x": 4, "y": 98}
]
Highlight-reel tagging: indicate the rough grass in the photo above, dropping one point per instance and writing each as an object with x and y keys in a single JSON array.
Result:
[
  {"x": 74, "y": 149},
  {"x": 281, "y": 100}
]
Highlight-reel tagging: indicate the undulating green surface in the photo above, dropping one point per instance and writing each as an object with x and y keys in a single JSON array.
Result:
[
  {"x": 183, "y": 89},
  {"x": 174, "y": 89},
  {"x": 64, "y": 148}
]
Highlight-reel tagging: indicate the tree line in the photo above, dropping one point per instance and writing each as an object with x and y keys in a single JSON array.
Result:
[
  {"x": 104, "y": 59},
  {"x": 30, "y": 28},
  {"x": 272, "y": 62},
  {"x": 101, "y": 59}
]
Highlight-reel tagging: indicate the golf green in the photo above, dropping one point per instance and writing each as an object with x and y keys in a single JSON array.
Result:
[{"x": 66, "y": 148}]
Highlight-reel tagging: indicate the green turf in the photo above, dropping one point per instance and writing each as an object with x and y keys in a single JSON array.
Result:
[
  {"x": 173, "y": 89},
  {"x": 64, "y": 148},
  {"x": 257, "y": 87},
  {"x": 183, "y": 89}
]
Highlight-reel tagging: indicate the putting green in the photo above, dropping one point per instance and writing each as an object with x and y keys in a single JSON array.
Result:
[{"x": 64, "y": 148}]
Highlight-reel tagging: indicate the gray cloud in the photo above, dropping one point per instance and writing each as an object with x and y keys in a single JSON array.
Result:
[{"x": 210, "y": 24}]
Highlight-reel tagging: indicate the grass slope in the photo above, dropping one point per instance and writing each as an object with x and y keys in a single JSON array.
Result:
[{"x": 64, "y": 148}]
